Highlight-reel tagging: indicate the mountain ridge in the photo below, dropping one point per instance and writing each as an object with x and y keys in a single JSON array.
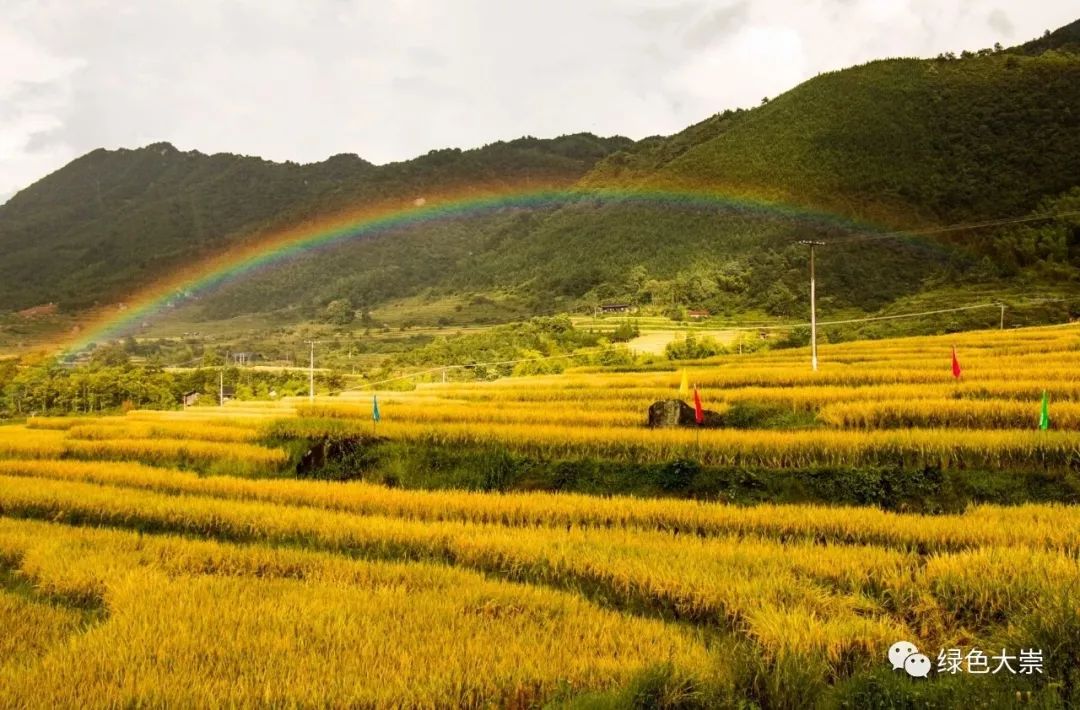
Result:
[
  {"x": 92, "y": 214},
  {"x": 903, "y": 143}
]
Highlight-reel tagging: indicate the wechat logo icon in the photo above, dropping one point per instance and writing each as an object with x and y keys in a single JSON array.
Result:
[{"x": 904, "y": 655}]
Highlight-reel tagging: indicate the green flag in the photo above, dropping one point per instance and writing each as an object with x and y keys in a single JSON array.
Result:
[
  {"x": 375, "y": 417},
  {"x": 1044, "y": 415}
]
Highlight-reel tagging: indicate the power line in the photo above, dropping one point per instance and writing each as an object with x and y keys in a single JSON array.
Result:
[
  {"x": 813, "y": 315},
  {"x": 785, "y": 326},
  {"x": 789, "y": 326},
  {"x": 912, "y": 315},
  {"x": 1005, "y": 221},
  {"x": 473, "y": 365},
  {"x": 971, "y": 307}
]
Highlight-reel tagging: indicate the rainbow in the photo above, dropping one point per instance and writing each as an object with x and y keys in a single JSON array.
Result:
[{"x": 272, "y": 249}]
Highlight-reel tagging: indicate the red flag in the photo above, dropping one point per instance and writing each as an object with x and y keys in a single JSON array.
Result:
[
  {"x": 955, "y": 364},
  {"x": 699, "y": 413}
]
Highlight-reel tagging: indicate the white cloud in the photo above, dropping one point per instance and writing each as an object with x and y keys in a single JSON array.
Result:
[
  {"x": 757, "y": 61},
  {"x": 304, "y": 79},
  {"x": 35, "y": 88}
]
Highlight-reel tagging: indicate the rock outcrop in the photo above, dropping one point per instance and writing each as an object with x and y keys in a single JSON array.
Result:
[{"x": 672, "y": 413}]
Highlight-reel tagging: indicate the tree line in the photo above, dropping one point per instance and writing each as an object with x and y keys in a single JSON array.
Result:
[{"x": 109, "y": 381}]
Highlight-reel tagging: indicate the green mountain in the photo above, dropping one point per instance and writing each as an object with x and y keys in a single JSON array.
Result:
[
  {"x": 113, "y": 220},
  {"x": 902, "y": 141},
  {"x": 899, "y": 143},
  {"x": 1065, "y": 39}
]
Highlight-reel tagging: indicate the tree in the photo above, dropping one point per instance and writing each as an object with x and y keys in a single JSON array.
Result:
[
  {"x": 625, "y": 331},
  {"x": 692, "y": 348},
  {"x": 339, "y": 312},
  {"x": 636, "y": 278},
  {"x": 656, "y": 291},
  {"x": 212, "y": 358},
  {"x": 780, "y": 301},
  {"x": 111, "y": 355},
  {"x": 695, "y": 285}
]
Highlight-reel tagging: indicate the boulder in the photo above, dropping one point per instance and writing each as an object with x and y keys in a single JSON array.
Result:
[{"x": 671, "y": 413}]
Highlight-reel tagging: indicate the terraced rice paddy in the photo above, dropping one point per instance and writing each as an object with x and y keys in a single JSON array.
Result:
[{"x": 171, "y": 558}]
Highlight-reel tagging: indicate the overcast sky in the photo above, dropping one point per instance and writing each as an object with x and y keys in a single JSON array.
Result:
[{"x": 391, "y": 79}]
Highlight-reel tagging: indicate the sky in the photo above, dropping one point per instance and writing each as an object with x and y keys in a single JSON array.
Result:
[{"x": 392, "y": 79}]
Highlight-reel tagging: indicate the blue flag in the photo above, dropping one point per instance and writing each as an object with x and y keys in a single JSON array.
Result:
[{"x": 375, "y": 408}]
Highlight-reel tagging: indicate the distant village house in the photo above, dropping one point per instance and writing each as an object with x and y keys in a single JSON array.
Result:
[{"x": 190, "y": 399}]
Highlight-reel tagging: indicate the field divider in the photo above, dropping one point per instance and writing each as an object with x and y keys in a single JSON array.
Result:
[
  {"x": 169, "y": 580},
  {"x": 662, "y": 577},
  {"x": 90, "y": 606},
  {"x": 1022, "y": 450},
  {"x": 1051, "y": 527},
  {"x": 631, "y": 576}
]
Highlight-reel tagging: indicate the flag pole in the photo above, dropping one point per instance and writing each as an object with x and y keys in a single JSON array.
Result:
[{"x": 699, "y": 419}]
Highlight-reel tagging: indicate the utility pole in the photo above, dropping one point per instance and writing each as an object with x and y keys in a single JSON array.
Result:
[
  {"x": 813, "y": 304},
  {"x": 221, "y": 387},
  {"x": 1002, "y": 316},
  {"x": 311, "y": 372}
]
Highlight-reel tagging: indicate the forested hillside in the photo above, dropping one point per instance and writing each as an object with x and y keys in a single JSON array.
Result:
[
  {"x": 112, "y": 220},
  {"x": 893, "y": 144},
  {"x": 983, "y": 134},
  {"x": 900, "y": 143},
  {"x": 904, "y": 141}
]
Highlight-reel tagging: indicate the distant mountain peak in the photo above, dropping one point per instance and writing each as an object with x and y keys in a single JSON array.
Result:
[{"x": 162, "y": 147}]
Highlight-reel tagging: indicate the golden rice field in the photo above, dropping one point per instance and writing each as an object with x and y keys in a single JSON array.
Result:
[
  {"x": 173, "y": 559},
  {"x": 875, "y": 403}
]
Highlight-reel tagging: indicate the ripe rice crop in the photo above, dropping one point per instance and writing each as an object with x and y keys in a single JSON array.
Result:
[
  {"x": 215, "y": 417},
  {"x": 31, "y": 627},
  {"x": 987, "y": 414},
  {"x": 961, "y": 448},
  {"x": 58, "y": 423},
  {"x": 393, "y": 634},
  {"x": 103, "y": 430},
  {"x": 565, "y": 415},
  {"x": 18, "y": 440},
  {"x": 1036, "y": 526},
  {"x": 841, "y": 602},
  {"x": 240, "y": 459},
  {"x": 805, "y": 397},
  {"x": 130, "y": 577},
  {"x": 636, "y": 568}
]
